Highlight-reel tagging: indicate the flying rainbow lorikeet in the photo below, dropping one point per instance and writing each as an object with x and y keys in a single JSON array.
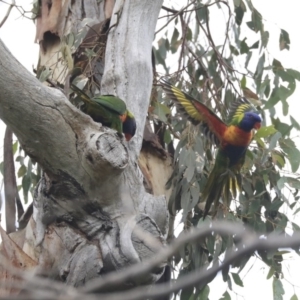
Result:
[
  {"x": 109, "y": 110},
  {"x": 232, "y": 139}
]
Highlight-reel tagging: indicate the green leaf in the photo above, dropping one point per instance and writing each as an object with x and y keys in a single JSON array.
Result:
[
  {"x": 203, "y": 14},
  {"x": 293, "y": 182},
  {"x": 22, "y": 171},
  {"x": 271, "y": 272},
  {"x": 296, "y": 211},
  {"x": 276, "y": 65},
  {"x": 281, "y": 181},
  {"x": 237, "y": 2},
  {"x": 162, "y": 48},
  {"x": 285, "y": 76},
  {"x": 276, "y": 204},
  {"x": 295, "y": 124},
  {"x": 189, "y": 172},
  {"x": 237, "y": 280},
  {"x": 239, "y": 15},
  {"x": 243, "y": 82},
  {"x": 66, "y": 54},
  {"x": 189, "y": 34},
  {"x": 234, "y": 51},
  {"x": 255, "y": 45},
  {"x": 248, "y": 57},
  {"x": 15, "y": 147},
  {"x": 161, "y": 111},
  {"x": 295, "y": 226},
  {"x": 283, "y": 128},
  {"x": 256, "y": 23},
  {"x": 264, "y": 85},
  {"x": 45, "y": 74},
  {"x": 26, "y": 182},
  {"x": 203, "y": 295},
  {"x": 278, "y": 290},
  {"x": 294, "y": 73},
  {"x": 274, "y": 139},
  {"x": 174, "y": 40},
  {"x": 244, "y": 46},
  {"x": 159, "y": 58},
  {"x": 293, "y": 155},
  {"x": 70, "y": 39},
  {"x": 265, "y": 131},
  {"x": 284, "y": 40},
  {"x": 167, "y": 137},
  {"x": 35, "y": 9},
  {"x": 226, "y": 296},
  {"x": 187, "y": 293},
  {"x": 294, "y": 297},
  {"x": 264, "y": 39},
  {"x": 259, "y": 70},
  {"x": 278, "y": 159}
]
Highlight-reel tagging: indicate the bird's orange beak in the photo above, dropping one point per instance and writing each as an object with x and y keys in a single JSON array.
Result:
[
  {"x": 128, "y": 137},
  {"x": 257, "y": 125}
]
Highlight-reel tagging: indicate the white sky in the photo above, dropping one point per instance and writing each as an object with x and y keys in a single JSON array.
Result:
[{"x": 18, "y": 34}]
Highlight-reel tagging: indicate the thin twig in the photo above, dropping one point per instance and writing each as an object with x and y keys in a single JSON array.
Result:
[
  {"x": 13, "y": 3},
  {"x": 176, "y": 15}
]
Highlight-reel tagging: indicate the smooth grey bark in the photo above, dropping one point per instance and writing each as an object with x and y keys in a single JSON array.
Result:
[{"x": 91, "y": 212}]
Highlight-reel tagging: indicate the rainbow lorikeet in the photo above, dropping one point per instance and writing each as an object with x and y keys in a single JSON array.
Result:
[
  {"x": 232, "y": 139},
  {"x": 109, "y": 110}
]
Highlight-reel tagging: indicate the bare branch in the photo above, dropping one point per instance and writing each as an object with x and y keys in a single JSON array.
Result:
[
  {"x": 13, "y": 3},
  {"x": 174, "y": 16},
  {"x": 249, "y": 242}
]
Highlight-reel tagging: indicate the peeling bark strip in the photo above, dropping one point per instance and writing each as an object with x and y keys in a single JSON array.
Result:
[
  {"x": 91, "y": 212},
  {"x": 10, "y": 187}
]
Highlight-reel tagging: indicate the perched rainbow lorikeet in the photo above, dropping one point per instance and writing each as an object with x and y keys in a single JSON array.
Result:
[
  {"x": 232, "y": 139},
  {"x": 109, "y": 110}
]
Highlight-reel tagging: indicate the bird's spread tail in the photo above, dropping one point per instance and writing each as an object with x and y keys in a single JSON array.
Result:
[{"x": 220, "y": 183}]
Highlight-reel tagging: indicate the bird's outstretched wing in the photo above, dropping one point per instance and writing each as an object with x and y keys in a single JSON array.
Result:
[
  {"x": 196, "y": 112},
  {"x": 237, "y": 110}
]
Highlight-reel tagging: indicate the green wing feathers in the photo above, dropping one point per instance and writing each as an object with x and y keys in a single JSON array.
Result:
[
  {"x": 238, "y": 109},
  {"x": 112, "y": 103},
  {"x": 109, "y": 110},
  {"x": 196, "y": 112},
  {"x": 233, "y": 139}
]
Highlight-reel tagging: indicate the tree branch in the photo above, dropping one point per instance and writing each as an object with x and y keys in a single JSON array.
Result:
[
  {"x": 91, "y": 188},
  {"x": 247, "y": 242},
  {"x": 13, "y": 3}
]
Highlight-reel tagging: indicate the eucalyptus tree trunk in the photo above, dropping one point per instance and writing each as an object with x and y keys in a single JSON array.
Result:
[{"x": 91, "y": 213}]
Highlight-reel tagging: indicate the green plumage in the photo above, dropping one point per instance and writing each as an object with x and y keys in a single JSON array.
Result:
[
  {"x": 232, "y": 139},
  {"x": 223, "y": 180},
  {"x": 109, "y": 110}
]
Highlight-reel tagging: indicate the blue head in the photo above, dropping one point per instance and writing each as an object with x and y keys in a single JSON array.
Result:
[{"x": 250, "y": 120}]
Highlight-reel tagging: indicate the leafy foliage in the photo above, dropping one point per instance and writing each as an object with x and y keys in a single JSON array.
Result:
[{"x": 218, "y": 71}]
